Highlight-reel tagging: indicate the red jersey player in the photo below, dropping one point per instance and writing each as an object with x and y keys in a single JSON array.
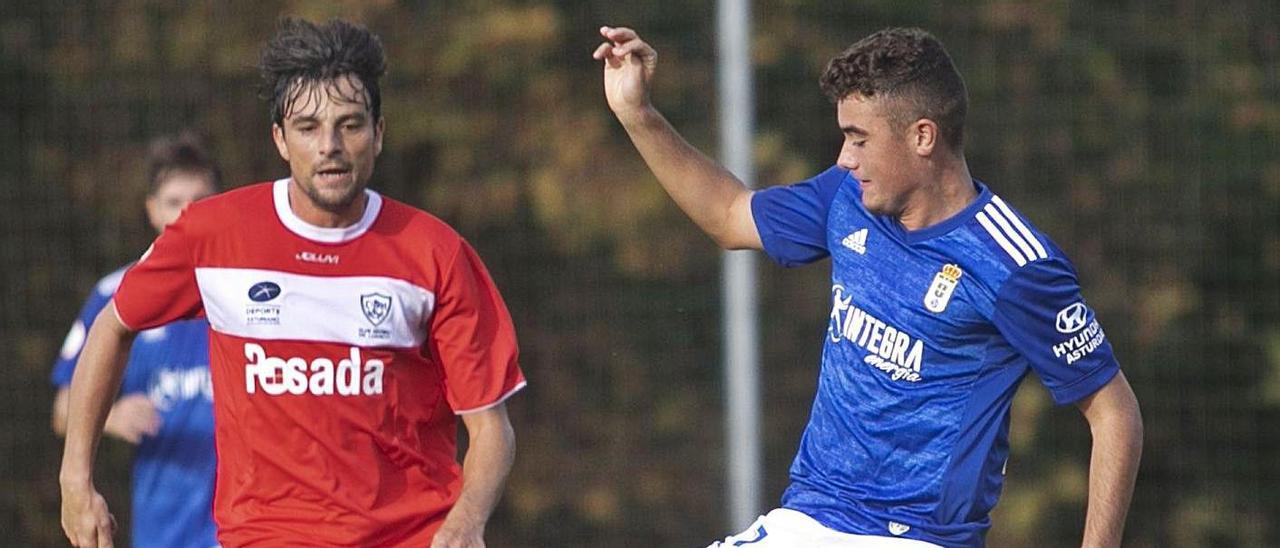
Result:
[{"x": 347, "y": 331}]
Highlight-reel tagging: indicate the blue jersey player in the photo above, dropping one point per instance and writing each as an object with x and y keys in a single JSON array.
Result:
[
  {"x": 166, "y": 401},
  {"x": 943, "y": 297}
]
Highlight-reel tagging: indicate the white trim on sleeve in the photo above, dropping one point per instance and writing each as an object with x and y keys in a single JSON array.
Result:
[
  {"x": 1000, "y": 239},
  {"x": 495, "y": 403},
  {"x": 1022, "y": 228},
  {"x": 1009, "y": 232},
  {"x": 116, "y": 311}
]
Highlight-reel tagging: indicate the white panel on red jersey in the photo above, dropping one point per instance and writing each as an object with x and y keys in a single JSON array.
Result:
[{"x": 367, "y": 311}]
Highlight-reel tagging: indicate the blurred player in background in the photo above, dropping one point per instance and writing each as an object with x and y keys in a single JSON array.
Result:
[
  {"x": 943, "y": 298},
  {"x": 166, "y": 402},
  {"x": 349, "y": 333}
]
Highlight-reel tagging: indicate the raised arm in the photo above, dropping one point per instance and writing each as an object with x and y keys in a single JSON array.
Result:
[
  {"x": 85, "y": 517},
  {"x": 489, "y": 457},
  {"x": 716, "y": 200},
  {"x": 1116, "y": 425}
]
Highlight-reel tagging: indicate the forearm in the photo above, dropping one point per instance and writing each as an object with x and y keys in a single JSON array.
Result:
[
  {"x": 484, "y": 475},
  {"x": 711, "y": 196},
  {"x": 92, "y": 391},
  {"x": 58, "y": 416},
  {"x": 1113, "y": 470}
]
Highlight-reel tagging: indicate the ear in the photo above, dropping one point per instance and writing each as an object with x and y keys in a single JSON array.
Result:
[
  {"x": 277, "y": 135},
  {"x": 924, "y": 136},
  {"x": 152, "y": 204},
  {"x": 378, "y": 130},
  {"x": 153, "y": 213}
]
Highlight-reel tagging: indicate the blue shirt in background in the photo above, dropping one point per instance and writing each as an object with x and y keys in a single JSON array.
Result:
[{"x": 173, "y": 471}]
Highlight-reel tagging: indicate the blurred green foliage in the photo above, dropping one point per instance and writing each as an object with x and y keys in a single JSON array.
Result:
[{"x": 1143, "y": 135}]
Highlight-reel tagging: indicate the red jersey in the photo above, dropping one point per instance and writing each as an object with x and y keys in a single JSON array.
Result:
[{"x": 339, "y": 358}]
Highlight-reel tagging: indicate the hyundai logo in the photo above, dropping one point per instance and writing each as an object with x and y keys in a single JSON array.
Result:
[
  {"x": 262, "y": 292},
  {"x": 1072, "y": 318}
]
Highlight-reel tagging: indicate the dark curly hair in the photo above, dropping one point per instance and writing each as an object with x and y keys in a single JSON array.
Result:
[
  {"x": 183, "y": 152},
  {"x": 304, "y": 58},
  {"x": 909, "y": 67}
]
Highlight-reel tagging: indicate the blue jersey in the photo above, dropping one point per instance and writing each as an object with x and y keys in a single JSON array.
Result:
[
  {"x": 930, "y": 333},
  {"x": 173, "y": 471}
]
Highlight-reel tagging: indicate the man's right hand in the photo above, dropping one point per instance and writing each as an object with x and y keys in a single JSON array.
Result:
[
  {"x": 716, "y": 200},
  {"x": 85, "y": 517},
  {"x": 133, "y": 417},
  {"x": 629, "y": 64}
]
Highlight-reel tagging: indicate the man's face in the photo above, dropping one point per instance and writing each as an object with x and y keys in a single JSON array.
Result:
[
  {"x": 330, "y": 140},
  {"x": 878, "y": 153},
  {"x": 174, "y": 194}
]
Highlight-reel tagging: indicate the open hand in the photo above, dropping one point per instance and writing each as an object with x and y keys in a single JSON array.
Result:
[{"x": 629, "y": 64}]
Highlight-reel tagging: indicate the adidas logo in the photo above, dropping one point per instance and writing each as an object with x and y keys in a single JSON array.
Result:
[
  {"x": 897, "y": 528},
  {"x": 857, "y": 241}
]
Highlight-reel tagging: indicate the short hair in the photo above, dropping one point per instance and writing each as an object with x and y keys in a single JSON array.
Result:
[
  {"x": 909, "y": 67},
  {"x": 183, "y": 152},
  {"x": 303, "y": 54}
]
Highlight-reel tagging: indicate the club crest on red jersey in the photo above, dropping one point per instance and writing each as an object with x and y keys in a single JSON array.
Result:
[{"x": 376, "y": 307}]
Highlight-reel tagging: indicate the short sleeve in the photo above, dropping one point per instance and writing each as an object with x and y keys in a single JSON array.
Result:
[
  {"x": 472, "y": 336},
  {"x": 65, "y": 365},
  {"x": 1041, "y": 313},
  {"x": 161, "y": 288},
  {"x": 792, "y": 219}
]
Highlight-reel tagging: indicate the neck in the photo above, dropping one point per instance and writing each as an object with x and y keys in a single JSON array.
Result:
[
  {"x": 311, "y": 213},
  {"x": 948, "y": 190}
]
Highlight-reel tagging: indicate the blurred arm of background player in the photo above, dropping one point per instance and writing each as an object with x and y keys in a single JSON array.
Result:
[
  {"x": 1115, "y": 423},
  {"x": 85, "y": 517},
  {"x": 716, "y": 200},
  {"x": 490, "y": 453},
  {"x": 130, "y": 418}
]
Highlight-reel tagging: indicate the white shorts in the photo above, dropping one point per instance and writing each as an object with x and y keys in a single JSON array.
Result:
[{"x": 783, "y": 528}]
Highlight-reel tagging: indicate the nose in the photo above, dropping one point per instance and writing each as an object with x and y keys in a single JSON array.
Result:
[
  {"x": 847, "y": 159},
  {"x": 331, "y": 143}
]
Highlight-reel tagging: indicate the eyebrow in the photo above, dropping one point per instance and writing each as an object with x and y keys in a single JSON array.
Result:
[
  {"x": 310, "y": 118},
  {"x": 301, "y": 119},
  {"x": 853, "y": 129},
  {"x": 360, "y": 116}
]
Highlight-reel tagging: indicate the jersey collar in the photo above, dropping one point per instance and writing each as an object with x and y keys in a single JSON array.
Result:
[
  {"x": 280, "y": 195},
  {"x": 939, "y": 229}
]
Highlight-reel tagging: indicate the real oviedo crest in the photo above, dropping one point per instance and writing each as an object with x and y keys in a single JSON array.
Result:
[
  {"x": 376, "y": 307},
  {"x": 944, "y": 284}
]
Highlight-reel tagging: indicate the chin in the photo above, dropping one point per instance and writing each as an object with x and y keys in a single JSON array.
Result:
[
  {"x": 334, "y": 200},
  {"x": 342, "y": 202}
]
